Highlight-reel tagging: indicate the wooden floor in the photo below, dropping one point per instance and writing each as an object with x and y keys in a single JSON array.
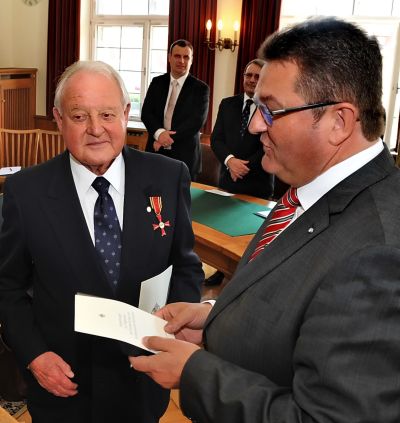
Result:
[{"x": 173, "y": 413}]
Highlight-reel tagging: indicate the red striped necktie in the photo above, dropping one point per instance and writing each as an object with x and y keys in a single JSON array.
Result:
[{"x": 280, "y": 219}]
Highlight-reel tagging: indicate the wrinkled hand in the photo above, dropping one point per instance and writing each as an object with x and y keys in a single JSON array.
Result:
[
  {"x": 54, "y": 374},
  {"x": 166, "y": 366},
  {"x": 237, "y": 168},
  {"x": 185, "y": 320}
]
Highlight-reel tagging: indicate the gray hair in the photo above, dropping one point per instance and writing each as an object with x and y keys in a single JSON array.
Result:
[
  {"x": 258, "y": 62},
  {"x": 90, "y": 66}
]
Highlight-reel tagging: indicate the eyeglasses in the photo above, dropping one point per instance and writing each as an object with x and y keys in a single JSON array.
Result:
[
  {"x": 251, "y": 75},
  {"x": 268, "y": 114}
]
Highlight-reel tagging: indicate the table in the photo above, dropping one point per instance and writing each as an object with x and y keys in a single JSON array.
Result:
[{"x": 218, "y": 249}]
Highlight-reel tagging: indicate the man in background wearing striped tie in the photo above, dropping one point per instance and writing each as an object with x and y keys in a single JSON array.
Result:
[{"x": 308, "y": 329}]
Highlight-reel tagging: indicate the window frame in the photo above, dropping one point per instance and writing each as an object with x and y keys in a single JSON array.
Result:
[{"x": 147, "y": 22}]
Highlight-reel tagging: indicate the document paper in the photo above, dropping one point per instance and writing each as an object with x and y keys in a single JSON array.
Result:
[
  {"x": 116, "y": 320},
  {"x": 4, "y": 171},
  {"x": 154, "y": 291}
]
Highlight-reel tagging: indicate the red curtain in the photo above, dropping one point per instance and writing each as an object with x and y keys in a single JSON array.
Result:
[
  {"x": 260, "y": 18},
  {"x": 187, "y": 20},
  {"x": 62, "y": 43}
]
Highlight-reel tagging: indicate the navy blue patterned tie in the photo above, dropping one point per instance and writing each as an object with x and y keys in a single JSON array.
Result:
[
  {"x": 107, "y": 232},
  {"x": 245, "y": 116}
]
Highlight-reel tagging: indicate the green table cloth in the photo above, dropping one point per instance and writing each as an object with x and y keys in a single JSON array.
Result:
[{"x": 229, "y": 215}]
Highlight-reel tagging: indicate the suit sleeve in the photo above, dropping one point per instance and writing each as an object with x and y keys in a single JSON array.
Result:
[
  {"x": 153, "y": 109},
  {"x": 218, "y": 140},
  {"x": 187, "y": 274},
  {"x": 346, "y": 360},
  {"x": 16, "y": 273}
]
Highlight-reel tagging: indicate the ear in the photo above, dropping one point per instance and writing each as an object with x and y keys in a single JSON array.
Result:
[
  {"x": 126, "y": 112},
  {"x": 58, "y": 118},
  {"x": 345, "y": 118}
]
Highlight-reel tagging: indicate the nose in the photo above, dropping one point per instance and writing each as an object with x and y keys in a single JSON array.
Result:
[
  {"x": 257, "y": 124},
  {"x": 94, "y": 126}
]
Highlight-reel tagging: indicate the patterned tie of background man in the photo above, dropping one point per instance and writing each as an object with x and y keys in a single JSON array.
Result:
[
  {"x": 280, "y": 219},
  {"x": 245, "y": 116},
  {"x": 107, "y": 231}
]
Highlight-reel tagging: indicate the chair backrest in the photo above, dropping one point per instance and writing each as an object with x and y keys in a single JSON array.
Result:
[
  {"x": 210, "y": 167},
  {"x": 18, "y": 147},
  {"x": 51, "y": 143}
]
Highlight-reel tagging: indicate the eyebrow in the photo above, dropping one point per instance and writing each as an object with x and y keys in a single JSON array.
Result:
[{"x": 271, "y": 99}]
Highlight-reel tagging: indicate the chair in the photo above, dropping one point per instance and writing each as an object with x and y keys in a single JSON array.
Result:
[
  {"x": 51, "y": 143},
  {"x": 210, "y": 166},
  {"x": 18, "y": 147}
]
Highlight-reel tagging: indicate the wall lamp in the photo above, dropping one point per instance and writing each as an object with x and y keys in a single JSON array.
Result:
[{"x": 222, "y": 43}]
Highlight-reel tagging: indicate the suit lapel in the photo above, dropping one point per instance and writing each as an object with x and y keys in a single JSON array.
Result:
[
  {"x": 66, "y": 219},
  {"x": 136, "y": 245},
  {"x": 308, "y": 226}
]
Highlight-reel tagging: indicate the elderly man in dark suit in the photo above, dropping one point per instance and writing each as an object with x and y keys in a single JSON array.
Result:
[
  {"x": 239, "y": 151},
  {"x": 175, "y": 109},
  {"x": 308, "y": 329},
  {"x": 51, "y": 248}
]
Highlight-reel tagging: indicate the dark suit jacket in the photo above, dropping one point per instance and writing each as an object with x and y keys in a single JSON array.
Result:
[
  {"x": 45, "y": 246},
  {"x": 190, "y": 114},
  {"x": 226, "y": 139},
  {"x": 310, "y": 330}
]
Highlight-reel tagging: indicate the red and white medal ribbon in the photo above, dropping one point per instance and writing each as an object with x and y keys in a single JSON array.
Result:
[{"x": 156, "y": 205}]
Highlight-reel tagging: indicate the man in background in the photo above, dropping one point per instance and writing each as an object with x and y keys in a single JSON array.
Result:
[
  {"x": 98, "y": 219},
  {"x": 308, "y": 329},
  {"x": 175, "y": 109},
  {"x": 238, "y": 150}
]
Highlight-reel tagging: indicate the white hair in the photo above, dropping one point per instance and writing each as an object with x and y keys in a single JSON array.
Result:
[{"x": 90, "y": 66}]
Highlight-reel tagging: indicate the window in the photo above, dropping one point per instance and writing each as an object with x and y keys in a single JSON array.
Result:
[{"x": 131, "y": 36}]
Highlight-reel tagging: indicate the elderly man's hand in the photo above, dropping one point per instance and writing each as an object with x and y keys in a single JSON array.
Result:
[
  {"x": 166, "y": 366},
  {"x": 54, "y": 374}
]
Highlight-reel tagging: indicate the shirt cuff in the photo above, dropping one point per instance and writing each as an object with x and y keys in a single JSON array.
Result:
[
  {"x": 157, "y": 133},
  {"x": 226, "y": 160},
  {"x": 212, "y": 302}
]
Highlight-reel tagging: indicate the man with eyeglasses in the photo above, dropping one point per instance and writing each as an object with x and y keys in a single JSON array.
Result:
[
  {"x": 239, "y": 151},
  {"x": 308, "y": 329}
]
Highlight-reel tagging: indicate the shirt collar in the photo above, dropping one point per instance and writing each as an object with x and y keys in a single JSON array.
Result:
[
  {"x": 310, "y": 193},
  {"x": 84, "y": 178},
  {"x": 245, "y": 98},
  {"x": 180, "y": 80}
]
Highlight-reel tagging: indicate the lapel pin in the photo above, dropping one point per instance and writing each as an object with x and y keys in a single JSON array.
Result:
[{"x": 310, "y": 230}]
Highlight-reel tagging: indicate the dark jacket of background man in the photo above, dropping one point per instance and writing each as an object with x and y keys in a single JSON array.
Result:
[
  {"x": 226, "y": 140},
  {"x": 189, "y": 116}
]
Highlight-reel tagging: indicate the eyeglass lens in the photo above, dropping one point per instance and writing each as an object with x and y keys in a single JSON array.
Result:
[{"x": 251, "y": 75}]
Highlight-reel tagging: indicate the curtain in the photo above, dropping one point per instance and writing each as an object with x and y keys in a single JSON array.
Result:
[
  {"x": 62, "y": 43},
  {"x": 260, "y": 18},
  {"x": 187, "y": 20}
]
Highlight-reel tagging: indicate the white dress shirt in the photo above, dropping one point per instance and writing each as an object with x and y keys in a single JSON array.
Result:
[
  {"x": 83, "y": 179},
  {"x": 179, "y": 86},
  {"x": 310, "y": 193}
]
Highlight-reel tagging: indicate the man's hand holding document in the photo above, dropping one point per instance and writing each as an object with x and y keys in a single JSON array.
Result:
[{"x": 124, "y": 322}]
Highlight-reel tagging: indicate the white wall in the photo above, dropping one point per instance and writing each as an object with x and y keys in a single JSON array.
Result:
[
  {"x": 23, "y": 35},
  {"x": 225, "y": 61}
]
